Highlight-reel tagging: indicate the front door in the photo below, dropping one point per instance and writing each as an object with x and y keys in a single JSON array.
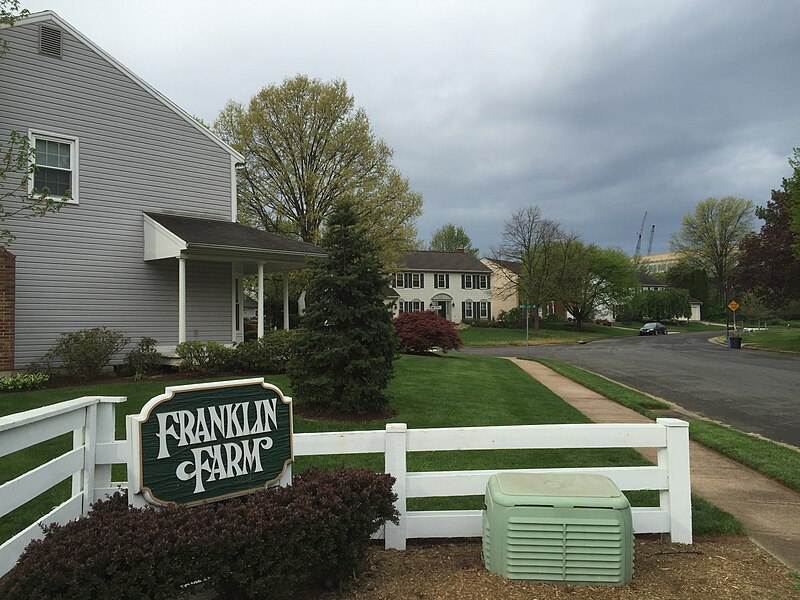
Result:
[{"x": 441, "y": 307}]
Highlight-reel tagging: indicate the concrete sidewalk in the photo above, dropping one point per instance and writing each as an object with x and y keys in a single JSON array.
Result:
[{"x": 769, "y": 511}]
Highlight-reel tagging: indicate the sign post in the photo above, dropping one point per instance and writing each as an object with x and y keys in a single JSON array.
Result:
[
  {"x": 527, "y": 308},
  {"x": 734, "y": 306},
  {"x": 204, "y": 442}
]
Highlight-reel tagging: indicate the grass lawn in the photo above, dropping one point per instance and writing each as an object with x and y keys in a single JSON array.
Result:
[
  {"x": 428, "y": 391},
  {"x": 767, "y": 457},
  {"x": 774, "y": 339},
  {"x": 548, "y": 334}
]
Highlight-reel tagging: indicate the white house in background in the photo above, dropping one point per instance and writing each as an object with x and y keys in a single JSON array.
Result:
[
  {"x": 455, "y": 284},
  {"x": 146, "y": 241},
  {"x": 505, "y": 292}
]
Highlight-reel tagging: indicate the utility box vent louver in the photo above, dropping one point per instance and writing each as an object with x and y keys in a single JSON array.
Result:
[
  {"x": 557, "y": 527},
  {"x": 50, "y": 40}
]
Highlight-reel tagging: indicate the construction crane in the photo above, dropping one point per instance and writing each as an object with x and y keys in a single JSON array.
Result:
[
  {"x": 639, "y": 239},
  {"x": 650, "y": 245}
]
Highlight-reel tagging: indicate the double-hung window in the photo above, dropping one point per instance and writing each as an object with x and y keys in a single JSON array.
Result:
[
  {"x": 468, "y": 309},
  {"x": 441, "y": 281},
  {"x": 398, "y": 280},
  {"x": 482, "y": 282},
  {"x": 467, "y": 282},
  {"x": 484, "y": 310},
  {"x": 413, "y": 280},
  {"x": 56, "y": 166}
]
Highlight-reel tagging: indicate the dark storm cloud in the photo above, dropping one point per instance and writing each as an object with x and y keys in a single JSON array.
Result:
[{"x": 595, "y": 111}]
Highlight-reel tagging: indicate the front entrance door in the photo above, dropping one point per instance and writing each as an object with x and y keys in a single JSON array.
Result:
[{"x": 441, "y": 307}]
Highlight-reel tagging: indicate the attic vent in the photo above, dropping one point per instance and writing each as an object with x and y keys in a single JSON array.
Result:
[{"x": 50, "y": 41}]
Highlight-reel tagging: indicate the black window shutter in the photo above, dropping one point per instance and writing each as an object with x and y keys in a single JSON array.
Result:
[
  {"x": 488, "y": 282},
  {"x": 488, "y": 310},
  {"x": 463, "y": 285},
  {"x": 447, "y": 281},
  {"x": 422, "y": 280},
  {"x": 435, "y": 280},
  {"x": 407, "y": 280},
  {"x": 463, "y": 310}
]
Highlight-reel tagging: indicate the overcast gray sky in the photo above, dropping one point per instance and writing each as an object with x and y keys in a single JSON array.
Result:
[{"x": 596, "y": 111}]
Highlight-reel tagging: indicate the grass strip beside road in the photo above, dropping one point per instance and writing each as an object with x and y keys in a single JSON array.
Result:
[
  {"x": 548, "y": 334},
  {"x": 765, "y": 456},
  {"x": 787, "y": 340}
]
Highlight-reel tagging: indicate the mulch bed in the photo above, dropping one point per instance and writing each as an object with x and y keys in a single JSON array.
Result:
[{"x": 719, "y": 569}]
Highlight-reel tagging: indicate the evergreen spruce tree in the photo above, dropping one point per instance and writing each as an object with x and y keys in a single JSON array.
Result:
[{"x": 343, "y": 354}]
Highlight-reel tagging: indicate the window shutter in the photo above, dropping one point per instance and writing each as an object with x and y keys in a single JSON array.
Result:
[
  {"x": 488, "y": 282},
  {"x": 489, "y": 310},
  {"x": 447, "y": 281},
  {"x": 435, "y": 280},
  {"x": 463, "y": 285},
  {"x": 422, "y": 280},
  {"x": 407, "y": 280},
  {"x": 463, "y": 310}
]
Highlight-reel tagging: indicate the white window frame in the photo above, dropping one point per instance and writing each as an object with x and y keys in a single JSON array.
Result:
[
  {"x": 416, "y": 280},
  {"x": 37, "y": 134},
  {"x": 468, "y": 312},
  {"x": 398, "y": 280},
  {"x": 483, "y": 282},
  {"x": 468, "y": 282},
  {"x": 441, "y": 281},
  {"x": 483, "y": 311}
]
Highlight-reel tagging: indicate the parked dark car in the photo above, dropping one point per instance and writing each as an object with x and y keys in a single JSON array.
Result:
[{"x": 653, "y": 329}]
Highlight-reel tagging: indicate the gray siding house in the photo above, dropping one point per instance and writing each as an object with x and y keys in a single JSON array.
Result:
[{"x": 146, "y": 241}]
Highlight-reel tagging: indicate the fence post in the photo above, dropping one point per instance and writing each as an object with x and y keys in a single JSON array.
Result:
[
  {"x": 83, "y": 481},
  {"x": 395, "y": 464},
  {"x": 677, "y": 499},
  {"x": 106, "y": 426}
]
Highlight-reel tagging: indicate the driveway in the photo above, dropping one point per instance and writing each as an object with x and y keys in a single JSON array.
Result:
[{"x": 750, "y": 390}]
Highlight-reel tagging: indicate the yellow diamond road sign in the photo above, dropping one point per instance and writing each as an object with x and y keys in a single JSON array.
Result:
[{"x": 733, "y": 305}]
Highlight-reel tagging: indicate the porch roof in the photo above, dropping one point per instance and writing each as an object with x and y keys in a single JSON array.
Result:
[{"x": 174, "y": 236}]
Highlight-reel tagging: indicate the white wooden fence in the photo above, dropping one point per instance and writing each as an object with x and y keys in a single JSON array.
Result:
[{"x": 94, "y": 451}]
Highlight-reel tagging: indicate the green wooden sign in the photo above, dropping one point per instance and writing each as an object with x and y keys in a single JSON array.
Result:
[{"x": 209, "y": 441}]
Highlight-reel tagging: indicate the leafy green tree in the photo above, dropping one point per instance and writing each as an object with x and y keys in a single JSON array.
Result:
[
  {"x": 344, "y": 354},
  {"x": 684, "y": 276},
  {"x": 532, "y": 241},
  {"x": 306, "y": 147},
  {"x": 590, "y": 277},
  {"x": 668, "y": 303},
  {"x": 449, "y": 238},
  {"x": 710, "y": 237},
  {"x": 792, "y": 187},
  {"x": 16, "y": 158}
]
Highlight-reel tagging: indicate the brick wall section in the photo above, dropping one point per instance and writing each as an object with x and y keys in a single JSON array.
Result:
[{"x": 7, "y": 303}]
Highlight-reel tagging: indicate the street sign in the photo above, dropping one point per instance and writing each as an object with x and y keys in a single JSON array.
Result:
[{"x": 733, "y": 305}]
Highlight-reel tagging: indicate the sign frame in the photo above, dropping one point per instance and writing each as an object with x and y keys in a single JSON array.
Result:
[
  {"x": 733, "y": 305},
  {"x": 138, "y": 491}
]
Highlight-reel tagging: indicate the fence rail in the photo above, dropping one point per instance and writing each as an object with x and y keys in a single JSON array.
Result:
[{"x": 94, "y": 451}]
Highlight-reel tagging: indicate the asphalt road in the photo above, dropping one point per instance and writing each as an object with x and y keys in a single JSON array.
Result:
[{"x": 750, "y": 390}]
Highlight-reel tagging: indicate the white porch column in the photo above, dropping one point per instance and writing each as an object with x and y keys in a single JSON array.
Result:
[
  {"x": 286, "y": 301},
  {"x": 260, "y": 300},
  {"x": 181, "y": 300}
]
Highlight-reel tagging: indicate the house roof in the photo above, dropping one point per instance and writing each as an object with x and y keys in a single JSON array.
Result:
[
  {"x": 511, "y": 265},
  {"x": 49, "y": 15},
  {"x": 390, "y": 292},
  {"x": 209, "y": 235},
  {"x": 425, "y": 260}
]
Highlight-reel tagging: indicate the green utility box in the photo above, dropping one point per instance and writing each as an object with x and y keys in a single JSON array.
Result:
[{"x": 557, "y": 527}]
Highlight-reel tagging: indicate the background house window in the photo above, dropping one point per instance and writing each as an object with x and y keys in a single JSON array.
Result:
[
  {"x": 466, "y": 282},
  {"x": 398, "y": 280},
  {"x": 413, "y": 280},
  {"x": 482, "y": 282},
  {"x": 441, "y": 281},
  {"x": 484, "y": 314},
  {"x": 56, "y": 166},
  {"x": 468, "y": 309}
]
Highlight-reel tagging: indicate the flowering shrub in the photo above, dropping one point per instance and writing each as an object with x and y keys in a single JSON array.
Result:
[
  {"x": 23, "y": 381},
  {"x": 422, "y": 331},
  {"x": 250, "y": 547}
]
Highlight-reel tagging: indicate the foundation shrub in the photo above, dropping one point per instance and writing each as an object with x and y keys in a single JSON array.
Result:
[
  {"x": 419, "y": 332},
  {"x": 85, "y": 353},
  {"x": 315, "y": 531},
  {"x": 144, "y": 359},
  {"x": 203, "y": 357},
  {"x": 270, "y": 354}
]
